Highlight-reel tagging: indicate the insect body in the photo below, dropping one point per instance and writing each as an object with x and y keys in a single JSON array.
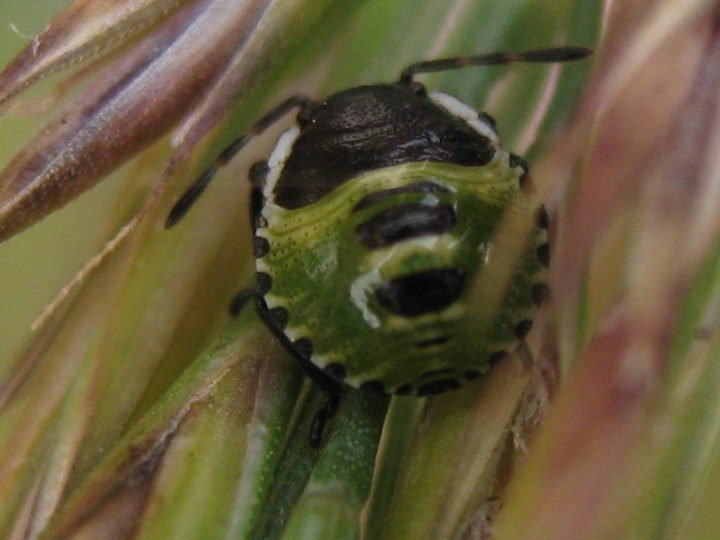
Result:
[{"x": 373, "y": 220}]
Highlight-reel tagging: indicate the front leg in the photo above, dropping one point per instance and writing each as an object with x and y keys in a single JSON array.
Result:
[{"x": 302, "y": 352}]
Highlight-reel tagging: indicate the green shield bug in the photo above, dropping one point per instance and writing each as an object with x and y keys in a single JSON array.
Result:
[{"x": 372, "y": 217}]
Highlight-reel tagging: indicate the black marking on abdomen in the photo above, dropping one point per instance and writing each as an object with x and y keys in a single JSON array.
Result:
[
  {"x": 418, "y": 187},
  {"x": 429, "y": 291},
  {"x": 405, "y": 221},
  {"x": 261, "y": 246}
]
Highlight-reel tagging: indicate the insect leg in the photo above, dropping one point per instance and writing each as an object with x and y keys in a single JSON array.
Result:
[
  {"x": 325, "y": 413},
  {"x": 241, "y": 299},
  {"x": 196, "y": 189},
  {"x": 327, "y": 384},
  {"x": 330, "y": 387}
]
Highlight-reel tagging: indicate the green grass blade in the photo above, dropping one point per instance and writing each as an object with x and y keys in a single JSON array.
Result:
[{"x": 334, "y": 497}]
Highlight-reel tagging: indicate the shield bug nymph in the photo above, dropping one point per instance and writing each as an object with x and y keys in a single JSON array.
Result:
[{"x": 371, "y": 219}]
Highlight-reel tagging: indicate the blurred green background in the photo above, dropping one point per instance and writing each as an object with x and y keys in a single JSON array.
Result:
[{"x": 37, "y": 263}]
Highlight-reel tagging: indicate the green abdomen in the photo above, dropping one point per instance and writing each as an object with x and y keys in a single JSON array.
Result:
[{"x": 403, "y": 279}]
